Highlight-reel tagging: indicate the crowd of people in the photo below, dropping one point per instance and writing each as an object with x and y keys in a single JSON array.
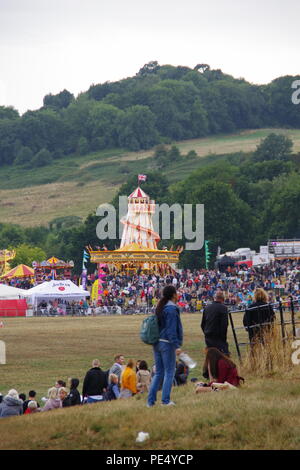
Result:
[
  {"x": 119, "y": 382},
  {"x": 195, "y": 289},
  {"x": 122, "y": 293}
]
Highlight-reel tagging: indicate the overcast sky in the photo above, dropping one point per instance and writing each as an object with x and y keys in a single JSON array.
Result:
[{"x": 49, "y": 45}]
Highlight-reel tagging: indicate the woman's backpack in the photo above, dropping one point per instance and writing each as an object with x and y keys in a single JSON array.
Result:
[{"x": 149, "y": 333}]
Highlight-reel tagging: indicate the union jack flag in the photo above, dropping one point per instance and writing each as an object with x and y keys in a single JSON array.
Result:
[{"x": 142, "y": 177}]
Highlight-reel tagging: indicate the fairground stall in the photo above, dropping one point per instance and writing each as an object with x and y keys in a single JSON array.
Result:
[
  {"x": 21, "y": 276},
  {"x": 53, "y": 268},
  {"x": 54, "y": 298}
]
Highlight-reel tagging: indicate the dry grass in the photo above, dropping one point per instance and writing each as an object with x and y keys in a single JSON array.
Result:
[
  {"x": 263, "y": 414},
  {"x": 245, "y": 141},
  {"x": 271, "y": 355},
  {"x": 38, "y": 205}
]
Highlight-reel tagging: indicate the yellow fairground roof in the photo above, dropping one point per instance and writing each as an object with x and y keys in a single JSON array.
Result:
[{"x": 135, "y": 253}]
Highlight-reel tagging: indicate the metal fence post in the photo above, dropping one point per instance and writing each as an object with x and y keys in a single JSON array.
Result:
[
  {"x": 281, "y": 319},
  {"x": 234, "y": 336},
  {"x": 293, "y": 316}
]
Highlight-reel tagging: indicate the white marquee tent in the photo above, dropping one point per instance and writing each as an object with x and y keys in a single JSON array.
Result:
[
  {"x": 56, "y": 290},
  {"x": 11, "y": 293}
]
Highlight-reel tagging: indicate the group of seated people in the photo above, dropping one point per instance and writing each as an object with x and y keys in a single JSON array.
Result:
[{"x": 118, "y": 382}]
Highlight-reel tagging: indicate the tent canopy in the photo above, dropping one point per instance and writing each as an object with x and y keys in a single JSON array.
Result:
[
  {"x": 19, "y": 271},
  {"x": 57, "y": 290},
  {"x": 11, "y": 293}
]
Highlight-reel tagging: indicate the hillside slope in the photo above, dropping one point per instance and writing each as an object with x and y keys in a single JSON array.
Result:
[{"x": 77, "y": 185}]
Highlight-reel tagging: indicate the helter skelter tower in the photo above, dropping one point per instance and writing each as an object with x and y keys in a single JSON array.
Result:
[
  {"x": 138, "y": 249},
  {"x": 138, "y": 225}
]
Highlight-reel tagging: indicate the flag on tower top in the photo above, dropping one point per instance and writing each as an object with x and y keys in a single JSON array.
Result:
[{"x": 142, "y": 177}]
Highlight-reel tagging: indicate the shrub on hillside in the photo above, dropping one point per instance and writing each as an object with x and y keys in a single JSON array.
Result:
[{"x": 42, "y": 158}]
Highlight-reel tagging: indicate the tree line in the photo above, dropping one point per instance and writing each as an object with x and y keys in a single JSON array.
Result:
[{"x": 158, "y": 105}]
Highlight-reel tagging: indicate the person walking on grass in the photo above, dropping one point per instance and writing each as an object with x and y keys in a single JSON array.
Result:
[{"x": 165, "y": 350}]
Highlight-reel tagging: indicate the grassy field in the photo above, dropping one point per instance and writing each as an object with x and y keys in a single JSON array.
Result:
[
  {"x": 263, "y": 414},
  {"x": 76, "y": 185}
]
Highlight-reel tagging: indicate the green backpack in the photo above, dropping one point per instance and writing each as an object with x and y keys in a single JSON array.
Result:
[{"x": 149, "y": 333}]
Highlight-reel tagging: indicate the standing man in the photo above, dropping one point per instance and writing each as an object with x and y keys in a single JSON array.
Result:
[{"x": 215, "y": 323}]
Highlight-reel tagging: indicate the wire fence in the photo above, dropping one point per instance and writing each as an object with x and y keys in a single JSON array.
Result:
[
  {"x": 286, "y": 317},
  {"x": 77, "y": 311}
]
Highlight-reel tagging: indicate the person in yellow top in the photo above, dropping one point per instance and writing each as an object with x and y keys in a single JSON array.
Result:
[{"x": 128, "y": 380}]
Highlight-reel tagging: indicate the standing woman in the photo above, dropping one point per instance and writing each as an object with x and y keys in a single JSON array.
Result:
[
  {"x": 261, "y": 314},
  {"x": 165, "y": 350}
]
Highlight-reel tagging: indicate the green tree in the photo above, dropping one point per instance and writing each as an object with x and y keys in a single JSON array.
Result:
[
  {"x": 8, "y": 138},
  {"x": 11, "y": 235},
  {"x": 273, "y": 147},
  {"x": 59, "y": 101},
  {"x": 151, "y": 67},
  {"x": 102, "y": 123},
  {"x": 265, "y": 170},
  {"x": 42, "y": 158},
  {"x": 83, "y": 146},
  {"x": 24, "y": 155},
  {"x": 137, "y": 129},
  {"x": 281, "y": 218},
  {"x": 278, "y": 97},
  {"x": 26, "y": 254},
  {"x": 8, "y": 112}
]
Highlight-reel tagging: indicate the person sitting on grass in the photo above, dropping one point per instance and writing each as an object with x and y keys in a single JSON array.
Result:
[
  {"x": 128, "y": 381},
  {"x": 74, "y": 395},
  {"x": 22, "y": 397},
  {"x": 143, "y": 377},
  {"x": 113, "y": 391},
  {"x": 63, "y": 396},
  {"x": 60, "y": 383},
  {"x": 53, "y": 401},
  {"x": 31, "y": 397},
  {"x": 117, "y": 367},
  {"x": 32, "y": 407},
  {"x": 218, "y": 368},
  {"x": 181, "y": 373},
  {"x": 95, "y": 383},
  {"x": 11, "y": 405}
]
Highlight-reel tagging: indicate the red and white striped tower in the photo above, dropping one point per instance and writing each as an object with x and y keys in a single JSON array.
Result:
[{"x": 138, "y": 224}]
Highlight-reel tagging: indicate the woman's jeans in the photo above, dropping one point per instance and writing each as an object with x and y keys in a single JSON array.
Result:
[{"x": 165, "y": 365}]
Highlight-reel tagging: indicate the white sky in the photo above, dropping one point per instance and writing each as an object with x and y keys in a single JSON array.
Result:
[{"x": 49, "y": 45}]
